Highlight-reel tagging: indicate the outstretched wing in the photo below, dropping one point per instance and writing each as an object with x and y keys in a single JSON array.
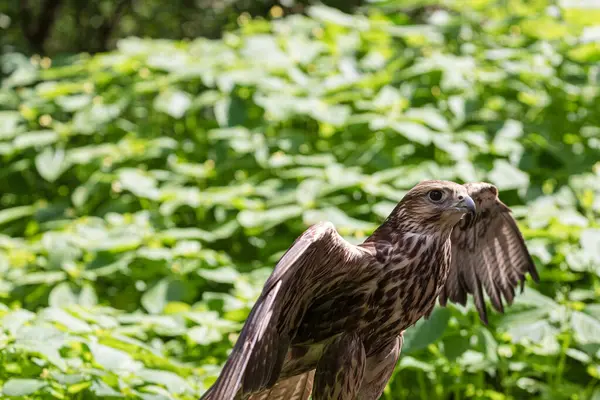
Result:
[
  {"x": 255, "y": 363},
  {"x": 488, "y": 252}
]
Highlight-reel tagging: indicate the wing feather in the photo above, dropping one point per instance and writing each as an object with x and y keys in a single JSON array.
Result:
[
  {"x": 297, "y": 387},
  {"x": 298, "y": 278},
  {"x": 488, "y": 254}
]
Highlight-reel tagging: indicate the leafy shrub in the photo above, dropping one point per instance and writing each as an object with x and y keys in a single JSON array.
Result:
[{"x": 147, "y": 192}]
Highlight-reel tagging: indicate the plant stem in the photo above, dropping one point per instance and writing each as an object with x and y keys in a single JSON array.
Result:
[
  {"x": 562, "y": 360},
  {"x": 422, "y": 385}
]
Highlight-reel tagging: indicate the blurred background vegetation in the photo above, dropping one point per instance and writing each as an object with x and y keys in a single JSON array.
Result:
[
  {"x": 54, "y": 27},
  {"x": 158, "y": 157}
]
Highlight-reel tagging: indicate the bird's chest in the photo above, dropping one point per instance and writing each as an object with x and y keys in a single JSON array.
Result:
[{"x": 407, "y": 289}]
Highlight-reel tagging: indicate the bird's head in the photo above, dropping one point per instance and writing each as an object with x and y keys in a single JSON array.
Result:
[{"x": 435, "y": 205}]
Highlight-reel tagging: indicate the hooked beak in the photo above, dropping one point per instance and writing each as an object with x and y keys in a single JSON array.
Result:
[{"x": 466, "y": 205}]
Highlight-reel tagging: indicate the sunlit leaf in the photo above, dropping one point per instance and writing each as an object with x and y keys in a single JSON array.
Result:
[
  {"x": 586, "y": 328},
  {"x": 112, "y": 359},
  {"x": 22, "y": 387},
  {"x": 174, "y": 103},
  {"x": 506, "y": 176},
  {"x": 62, "y": 295},
  {"x": 14, "y": 213},
  {"x": 37, "y": 139}
]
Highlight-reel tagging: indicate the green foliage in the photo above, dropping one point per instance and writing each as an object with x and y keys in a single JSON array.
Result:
[
  {"x": 146, "y": 193},
  {"x": 55, "y": 27}
]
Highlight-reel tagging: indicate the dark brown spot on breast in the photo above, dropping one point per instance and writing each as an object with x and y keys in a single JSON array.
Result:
[
  {"x": 371, "y": 315},
  {"x": 393, "y": 291},
  {"x": 379, "y": 293}
]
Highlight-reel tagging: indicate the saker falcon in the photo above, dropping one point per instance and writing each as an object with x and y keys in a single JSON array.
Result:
[{"x": 330, "y": 318}]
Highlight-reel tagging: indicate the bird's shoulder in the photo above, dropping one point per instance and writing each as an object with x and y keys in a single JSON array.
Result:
[{"x": 378, "y": 252}]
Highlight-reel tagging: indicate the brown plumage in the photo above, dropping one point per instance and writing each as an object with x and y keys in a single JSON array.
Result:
[{"x": 330, "y": 318}]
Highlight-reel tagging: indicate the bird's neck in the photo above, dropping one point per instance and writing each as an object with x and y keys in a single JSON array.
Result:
[{"x": 400, "y": 226}]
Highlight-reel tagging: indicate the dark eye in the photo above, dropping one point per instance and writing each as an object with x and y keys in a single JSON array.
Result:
[{"x": 436, "y": 195}]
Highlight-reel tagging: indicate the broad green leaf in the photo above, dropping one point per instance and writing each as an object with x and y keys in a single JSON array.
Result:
[
  {"x": 155, "y": 299},
  {"x": 172, "y": 382},
  {"x": 14, "y": 213},
  {"x": 409, "y": 362},
  {"x": 51, "y": 163},
  {"x": 429, "y": 116},
  {"x": 585, "y": 327},
  {"x": 384, "y": 209},
  {"x": 100, "y": 388},
  {"x": 308, "y": 191},
  {"x": 426, "y": 332},
  {"x": 268, "y": 218},
  {"x": 340, "y": 219},
  {"x": 455, "y": 346},
  {"x": 590, "y": 245},
  {"x": 49, "y": 277},
  {"x": 15, "y": 319},
  {"x": 89, "y": 120},
  {"x": 506, "y": 176},
  {"x": 42, "y": 339},
  {"x": 174, "y": 103},
  {"x": 532, "y": 331},
  {"x": 74, "y": 102},
  {"x": 532, "y": 297},
  {"x": 506, "y": 140},
  {"x": 544, "y": 28},
  {"x": 489, "y": 344},
  {"x": 388, "y": 97},
  {"x": 334, "y": 16},
  {"x": 473, "y": 361},
  {"x": 221, "y": 275},
  {"x": 139, "y": 183},
  {"x": 188, "y": 233},
  {"x": 112, "y": 359},
  {"x": 88, "y": 296},
  {"x": 24, "y": 74},
  {"x": 9, "y": 121},
  {"x": 62, "y": 317},
  {"x": 413, "y": 131},
  {"x": 22, "y": 387},
  {"x": 62, "y": 296},
  {"x": 203, "y": 335}
]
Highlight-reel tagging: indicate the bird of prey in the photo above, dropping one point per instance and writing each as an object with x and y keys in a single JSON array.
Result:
[{"x": 330, "y": 318}]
